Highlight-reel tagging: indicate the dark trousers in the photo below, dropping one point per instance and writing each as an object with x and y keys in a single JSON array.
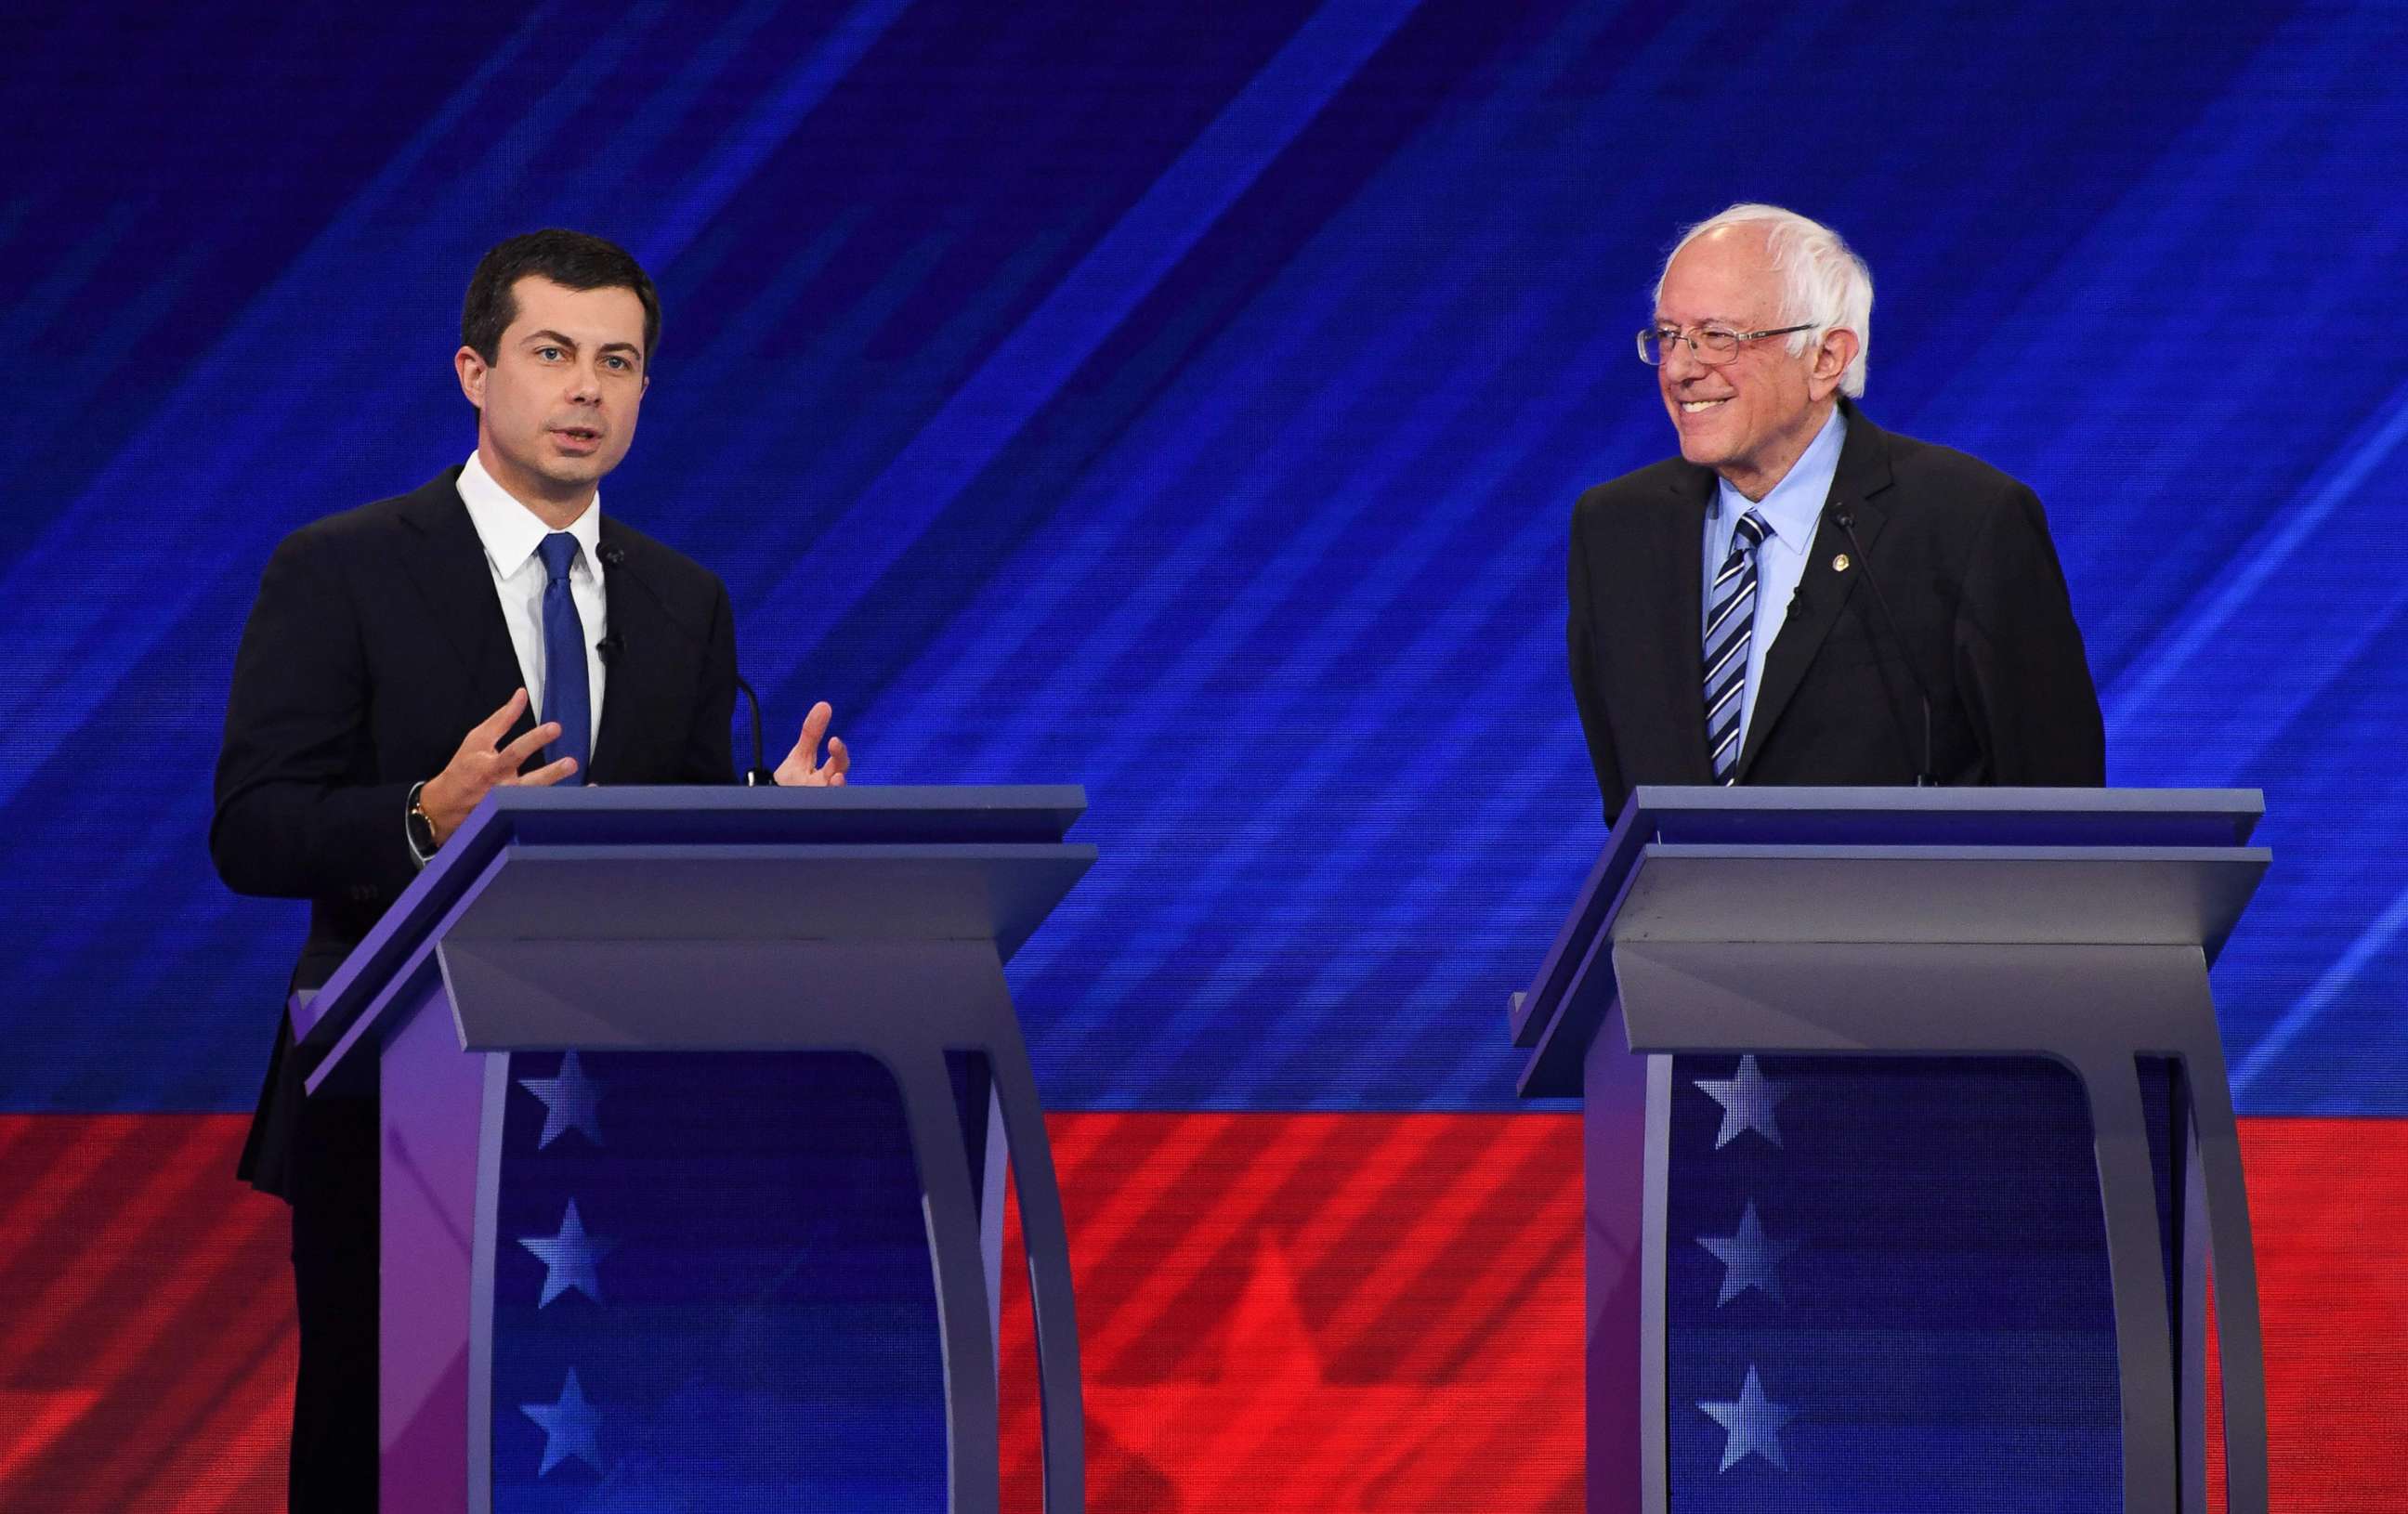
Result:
[{"x": 333, "y": 1194}]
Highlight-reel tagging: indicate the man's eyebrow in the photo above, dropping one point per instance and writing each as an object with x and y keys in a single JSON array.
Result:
[{"x": 554, "y": 339}]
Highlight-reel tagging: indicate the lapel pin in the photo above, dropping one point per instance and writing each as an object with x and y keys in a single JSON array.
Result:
[{"x": 1840, "y": 563}]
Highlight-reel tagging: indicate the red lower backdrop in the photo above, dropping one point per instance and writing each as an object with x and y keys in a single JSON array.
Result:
[{"x": 1306, "y": 1312}]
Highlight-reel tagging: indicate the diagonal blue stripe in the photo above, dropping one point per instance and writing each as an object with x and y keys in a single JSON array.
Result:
[
  {"x": 2203, "y": 624},
  {"x": 766, "y": 126},
  {"x": 1033, "y": 364},
  {"x": 2381, "y": 935}
]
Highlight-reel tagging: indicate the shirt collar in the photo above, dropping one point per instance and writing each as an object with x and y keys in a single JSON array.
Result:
[
  {"x": 511, "y": 531},
  {"x": 1792, "y": 510}
]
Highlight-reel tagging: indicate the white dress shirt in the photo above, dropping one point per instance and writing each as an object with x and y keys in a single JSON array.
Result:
[{"x": 511, "y": 533}]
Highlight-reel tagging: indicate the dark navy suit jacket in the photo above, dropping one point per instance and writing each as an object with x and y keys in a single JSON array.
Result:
[
  {"x": 376, "y": 643},
  {"x": 1964, "y": 556}
]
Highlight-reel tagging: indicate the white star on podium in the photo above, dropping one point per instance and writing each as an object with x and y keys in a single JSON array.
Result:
[
  {"x": 1750, "y": 1259},
  {"x": 572, "y": 1101},
  {"x": 571, "y": 1427},
  {"x": 1748, "y": 1100},
  {"x": 1753, "y": 1422},
  {"x": 571, "y": 1259}
]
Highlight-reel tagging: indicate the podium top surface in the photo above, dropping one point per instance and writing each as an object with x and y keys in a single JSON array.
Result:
[
  {"x": 651, "y": 814},
  {"x": 713, "y": 826},
  {"x": 1938, "y": 817},
  {"x": 1961, "y": 824}
]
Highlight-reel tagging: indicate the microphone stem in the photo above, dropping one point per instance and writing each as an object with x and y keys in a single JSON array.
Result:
[
  {"x": 758, "y": 776},
  {"x": 1846, "y": 521}
]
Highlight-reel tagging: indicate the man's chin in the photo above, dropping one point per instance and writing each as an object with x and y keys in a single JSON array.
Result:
[
  {"x": 577, "y": 472},
  {"x": 1705, "y": 455}
]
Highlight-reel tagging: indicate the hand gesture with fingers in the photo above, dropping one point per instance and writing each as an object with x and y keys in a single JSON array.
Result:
[
  {"x": 802, "y": 767},
  {"x": 480, "y": 765}
]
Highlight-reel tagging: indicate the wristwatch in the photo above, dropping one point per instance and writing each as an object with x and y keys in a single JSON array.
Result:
[{"x": 421, "y": 830}]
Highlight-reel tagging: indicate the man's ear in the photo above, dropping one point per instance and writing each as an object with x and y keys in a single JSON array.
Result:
[
  {"x": 471, "y": 369},
  {"x": 1833, "y": 356}
]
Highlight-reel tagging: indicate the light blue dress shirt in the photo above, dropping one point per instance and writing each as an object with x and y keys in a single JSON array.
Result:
[{"x": 1790, "y": 513}]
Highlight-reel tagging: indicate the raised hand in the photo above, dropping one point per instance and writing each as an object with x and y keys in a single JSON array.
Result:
[
  {"x": 802, "y": 767},
  {"x": 479, "y": 765}
]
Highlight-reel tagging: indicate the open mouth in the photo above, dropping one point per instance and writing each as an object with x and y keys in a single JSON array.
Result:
[
  {"x": 578, "y": 435},
  {"x": 1700, "y": 406}
]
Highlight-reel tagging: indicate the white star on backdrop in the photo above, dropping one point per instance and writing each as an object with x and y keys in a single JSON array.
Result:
[
  {"x": 571, "y": 1259},
  {"x": 1753, "y": 1422},
  {"x": 571, "y": 1427},
  {"x": 1750, "y": 1259},
  {"x": 572, "y": 1101},
  {"x": 1748, "y": 1100}
]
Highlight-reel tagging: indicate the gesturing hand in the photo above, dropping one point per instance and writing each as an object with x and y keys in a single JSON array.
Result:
[
  {"x": 802, "y": 767},
  {"x": 477, "y": 766}
]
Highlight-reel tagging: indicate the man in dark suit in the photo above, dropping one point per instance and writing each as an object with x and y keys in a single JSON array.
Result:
[
  {"x": 1780, "y": 603},
  {"x": 392, "y": 673}
]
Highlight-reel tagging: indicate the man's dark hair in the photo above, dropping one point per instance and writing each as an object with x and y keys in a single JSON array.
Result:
[{"x": 572, "y": 259}]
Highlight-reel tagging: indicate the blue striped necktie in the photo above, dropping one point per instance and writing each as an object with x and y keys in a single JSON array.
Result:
[
  {"x": 1728, "y": 630},
  {"x": 567, "y": 696}
]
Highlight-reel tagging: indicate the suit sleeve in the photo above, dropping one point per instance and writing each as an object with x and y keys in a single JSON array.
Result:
[
  {"x": 2019, "y": 657},
  {"x": 292, "y": 819},
  {"x": 709, "y": 757},
  {"x": 1579, "y": 628}
]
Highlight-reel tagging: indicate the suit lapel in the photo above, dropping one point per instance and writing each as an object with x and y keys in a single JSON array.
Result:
[
  {"x": 445, "y": 558},
  {"x": 1677, "y": 613},
  {"x": 1822, "y": 591}
]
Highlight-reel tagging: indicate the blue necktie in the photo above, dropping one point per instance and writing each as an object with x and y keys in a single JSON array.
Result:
[
  {"x": 1727, "y": 632},
  {"x": 566, "y": 697}
]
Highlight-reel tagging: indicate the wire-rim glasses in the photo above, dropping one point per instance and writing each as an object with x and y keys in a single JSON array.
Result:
[{"x": 1712, "y": 346}]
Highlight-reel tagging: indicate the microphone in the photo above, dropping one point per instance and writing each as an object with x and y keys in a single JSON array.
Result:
[
  {"x": 758, "y": 776},
  {"x": 1846, "y": 519},
  {"x": 609, "y": 647}
]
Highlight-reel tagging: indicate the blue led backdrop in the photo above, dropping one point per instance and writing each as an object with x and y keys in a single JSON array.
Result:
[{"x": 1188, "y": 402}]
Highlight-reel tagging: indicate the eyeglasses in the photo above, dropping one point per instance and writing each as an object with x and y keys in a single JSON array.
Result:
[{"x": 1712, "y": 346}]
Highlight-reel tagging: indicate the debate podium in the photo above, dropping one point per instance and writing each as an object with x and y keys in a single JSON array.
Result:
[
  {"x": 1909, "y": 1148},
  {"x": 697, "y": 1107}
]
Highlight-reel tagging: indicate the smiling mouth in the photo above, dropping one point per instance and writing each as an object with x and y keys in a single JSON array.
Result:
[{"x": 1699, "y": 406}]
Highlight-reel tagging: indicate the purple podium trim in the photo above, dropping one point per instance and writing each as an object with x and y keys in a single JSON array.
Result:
[{"x": 427, "y": 1250}]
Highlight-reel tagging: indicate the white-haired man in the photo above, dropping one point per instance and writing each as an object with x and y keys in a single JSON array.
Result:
[{"x": 1782, "y": 602}]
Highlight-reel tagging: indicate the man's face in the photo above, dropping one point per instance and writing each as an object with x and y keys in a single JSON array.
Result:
[
  {"x": 1748, "y": 419},
  {"x": 556, "y": 407}
]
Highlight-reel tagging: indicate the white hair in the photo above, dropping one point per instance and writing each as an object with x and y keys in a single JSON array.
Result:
[{"x": 1823, "y": 281}]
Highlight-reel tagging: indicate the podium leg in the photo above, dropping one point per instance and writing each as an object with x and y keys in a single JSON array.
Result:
[
  {"x": 2240, "y": 1347},
  {"x": 959, "y": 1263},
  {"x": 1046, "y": 1236},
  {"x": 2136, "y": 1273}
]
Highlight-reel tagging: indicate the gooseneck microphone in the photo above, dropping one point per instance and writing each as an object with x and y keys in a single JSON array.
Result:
[
  {"x": 1846, "y": 519},
  {"x": 609, "y": 647},
  {"x": 757, "y": 775},
  {"x": 613, "y": 646}
]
